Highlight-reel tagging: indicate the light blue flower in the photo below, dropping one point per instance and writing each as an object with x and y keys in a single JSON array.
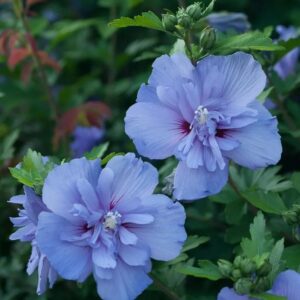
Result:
[
  {"x": 108, "y": 222},
  {"x": 205, "y": 115},
  {"x": 286, "y": 284},
  {"x": 85, "y": 139},
  {"x": 287, "y": 65},
  {"x": 225, "y": 21},
  {"x": 26, "y": 223}
]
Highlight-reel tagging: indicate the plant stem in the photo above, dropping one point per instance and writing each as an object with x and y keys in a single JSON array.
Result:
[
  {"x": 160, "y": 285},
  {"x": 38, "y": 64}
]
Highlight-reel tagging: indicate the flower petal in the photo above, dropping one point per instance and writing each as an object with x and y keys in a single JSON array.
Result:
[
  {"x": 134, "y": 255},
  {"x": 70, "y": 261},
  {"x": 230, "y": 294},
  {"x": 133, "y": 178},
  {"x": 166, "y": 234},
  {"x": 287, "y": 284},
  {"x": 60, "y": 194},
  {"x": 104, "y": 258},
  {"x": 156, "y": 130},
  {"x": 242, "y": 77},
  {"x": 192, "y": 184},
  {"x": 127, "y": 283}
]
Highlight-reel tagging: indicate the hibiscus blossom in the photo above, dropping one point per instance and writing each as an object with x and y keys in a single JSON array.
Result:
[{"x": 205, "y": 115}]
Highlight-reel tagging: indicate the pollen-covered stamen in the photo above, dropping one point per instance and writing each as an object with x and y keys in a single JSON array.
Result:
[
  {"x": 201, "y": 115},
  {"x": 111, "y": 220}
]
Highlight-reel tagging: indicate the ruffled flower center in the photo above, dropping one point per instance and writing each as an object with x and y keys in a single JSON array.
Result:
[
  {"x": 201, "y": 115},
  {"x": 111, "y": 220}
]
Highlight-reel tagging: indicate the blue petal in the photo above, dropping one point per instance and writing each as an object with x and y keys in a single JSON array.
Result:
[
  {"x": 166, "y": 234},
  {"x": 287, "y": 284},
  {"x": 230, "y": 294},
  {"x": 104, "y": 258},
  {"x": 156, "y": 130},
  {"x": 70, "y": 261},
  {"x": 127, "y": 283},
  {"x": 60, "y": 191},
  {"x": 134, "y": 255},
  {"x": 192, "y": 184},
  {"x": 243, "y": 77},
  {"x": 133, "y": 178}
]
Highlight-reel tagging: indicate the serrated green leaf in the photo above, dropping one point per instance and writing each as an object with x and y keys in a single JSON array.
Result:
[
  {"x": 253, "y": 40},
  {"x": 267, "y": 202},
  {"x": 194, "y": 241},
  {"x": 275, "y": 258},
  {"x": 146, "y": 19},
  {"x": 206, "y": 269},
  {"x": 260, "y": 242},
  {"x": 97, "y": 152}
]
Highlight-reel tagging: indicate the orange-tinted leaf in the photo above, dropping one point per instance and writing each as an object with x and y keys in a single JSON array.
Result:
[
  {"x": 27, "y": 71},
  {"x": 47, "y": 60},
  {"x": 16, "y": 56},
  {"x": 32, "y": 2}
]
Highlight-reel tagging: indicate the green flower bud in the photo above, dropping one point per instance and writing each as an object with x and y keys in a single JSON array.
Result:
[
  {"x": 247, "y": 266},
  {"x": 169, "y": 22},
  {"x": 290, "y": 217},
  {"x": 243, "y": 286},
  {"x": 195, "y": 11},
  {"x": 184, "y": 19},
  {"x": 237, "y": 261},
  {"x": 236, "y": 274},
  {"x": 225, "y": 267},
  {"x": 262, "y": 285},
  {"x": 265, "y": 269},
  {"x": 207, "y": 38}
]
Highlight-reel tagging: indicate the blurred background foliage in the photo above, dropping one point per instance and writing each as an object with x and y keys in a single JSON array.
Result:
[{"x": 101, "y": 63}]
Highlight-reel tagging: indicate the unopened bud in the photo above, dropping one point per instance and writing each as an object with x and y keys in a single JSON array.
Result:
[
  {"x": 225, "y": 267},
  {"x": 237, "y": 261},
  {"x": 169, "y": 22},
  {"x": 236, "y": 274},
  {"x": 243, "y": 286},
  {"x": 184, "y": 19},
  {"x": 290, "y": 217},
  {"x": 195, "y": 11},
  {"x": 247, "y": 266},
  {"x": 265, "y": 269},
  {"x": 207, "y": 38},
  {"x": 262, "y": 285}
]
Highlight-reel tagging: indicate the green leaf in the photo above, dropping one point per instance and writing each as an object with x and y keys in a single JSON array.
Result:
[
  {"x": 194, "y": 241},
  {"x": 178, "y": 47},
  {"x": 265, "y": 94},
  {"x": 32, "y": 171},
  {"x": 206, "y": 269},
  {"x": 267, "y": 202},
  {"x": 260, "y": 242},
  {"x": 234, "y": 211},
  {"x": 146, "y": 19},
  {"x": 275, "y": 258},
  {"x": 268, "y": 297},
  {"x": 108, "y": 157},
  {"x": 296, "y": 181},
  {"x": 253, "y": 40},
  {"x": 7, "y": 146},
  {"x": 291, "y": 256},
  {"x": 288, "y": 45},
  {"x": 97, "y": 152}
]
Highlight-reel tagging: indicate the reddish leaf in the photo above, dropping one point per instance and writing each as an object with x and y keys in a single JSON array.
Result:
[
  {"x": 16, "y": 56},
  {"x": 47, "y": 60},
  {"x": 31, "y": 41},
  {"x": 33, "y": 2},
  {"x": 27, "y": 71},
  {"x": 94, "y": 113},
  {"x": 8, "y": 40}
]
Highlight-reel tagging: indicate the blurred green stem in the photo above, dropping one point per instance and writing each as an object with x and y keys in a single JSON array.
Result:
[
  {"x": 20, "y": 11},
  {"x": 163, "y": 288}
]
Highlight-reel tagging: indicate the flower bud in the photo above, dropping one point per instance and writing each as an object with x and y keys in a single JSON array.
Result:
[
  {"x": 247, "y": 266},
  {"x": 236, "y": 274},
  {"x": 237, "y": 261},
  {"x": 290, "y": 217},
  {"x": 265, "y": 269},
  {"x": 207, "y": 38},
  {"x": 225, "y": 267},
  {"x": 184, "y": 19},
  {"x": 243, "y": 286},
  {"x": 262, "y": 285},
  {"x": 195, "y": 11},
  {"x": 169, "y": 22}
]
